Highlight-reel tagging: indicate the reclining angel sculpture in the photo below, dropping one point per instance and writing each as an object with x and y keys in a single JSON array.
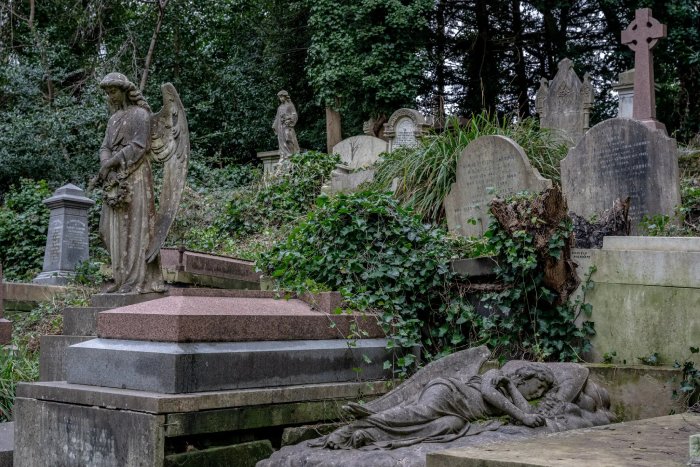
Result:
[
  {"x": 449, "y": 399},
  {"x": 130, "y": 227}
]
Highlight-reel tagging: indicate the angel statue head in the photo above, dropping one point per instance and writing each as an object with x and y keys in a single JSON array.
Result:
[
  {"x": 121, "y": 92},
  {"x": 130, "y": 226}
]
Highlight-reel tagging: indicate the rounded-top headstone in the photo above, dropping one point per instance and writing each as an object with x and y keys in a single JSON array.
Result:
[
  {"x": 489, "y": 166},
  {"x": 618, "y": 158},
  {"x": 360, "y": 151}
]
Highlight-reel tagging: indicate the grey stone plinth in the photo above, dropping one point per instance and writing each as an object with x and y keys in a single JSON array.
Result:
[
  {"x": 159, "y": 403},
  {"x": 269, "y": 159},
  {"x": 7, "y": 443},
  {"x": 186, "y": 368},
  {"x": 52, "y": 434},
  {"x": 645, "y": 443},
  {"x": 652, "y": 243},
  {"x": 61, "y": 424},
  {"x": 52, "y": 357},
  {"x": 81, "y": 321},
  {"x": 67, "y": 242}
]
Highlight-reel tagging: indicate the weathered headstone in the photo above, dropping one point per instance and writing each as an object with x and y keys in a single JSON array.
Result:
[
  {"x": 489, "y": 166},
  {"x": 405, "y": 127},
  {"x": 619, "y": 158},
  {"x": 5, "y": 325},
  {"x": 357, "y": 155},
  {"x": 67, "y": 240},
  {"x": 641, "y": 36},
  {"x": 564, "y": 104},
  {"x": 625, "y": 92}
]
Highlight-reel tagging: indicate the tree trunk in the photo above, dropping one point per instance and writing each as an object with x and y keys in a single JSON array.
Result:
[
  {"x": 333, "y": 129},
  {"x": 161, "y": 4}
]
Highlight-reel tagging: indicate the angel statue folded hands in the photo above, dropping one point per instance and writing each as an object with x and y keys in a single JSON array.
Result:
[{"x": 130, "y": 227}]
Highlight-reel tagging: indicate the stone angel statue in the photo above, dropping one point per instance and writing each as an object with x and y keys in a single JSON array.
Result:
[{"x": 130, "y": 227}]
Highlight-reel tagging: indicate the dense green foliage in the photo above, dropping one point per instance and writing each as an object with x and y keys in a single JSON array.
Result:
[
  {"x": 538, "y": 326},
  {"x": 15, "y": 367},
  {"x": 426, "y": 173},
  {"x": 281, "y": 200},
  {"x": 365, "y": 57},
  {"x": 228, "y": 59},
  {"x": 234, "y": 211},
  {"x": 376, "y": 253},
  {"x": 23, "y": 223},
  {"x": 385, "y": 260}
]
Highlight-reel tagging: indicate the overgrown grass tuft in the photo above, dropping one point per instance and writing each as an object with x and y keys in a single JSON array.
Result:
[{"x": 426, "y": 173}]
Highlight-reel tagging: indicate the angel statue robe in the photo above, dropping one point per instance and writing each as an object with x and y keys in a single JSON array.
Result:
[{"x": 128, "y": 216}]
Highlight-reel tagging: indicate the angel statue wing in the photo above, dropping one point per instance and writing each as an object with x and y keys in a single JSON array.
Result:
[
  {"x": 461, "y": 365},
  {"x": 170, "y": 145}
]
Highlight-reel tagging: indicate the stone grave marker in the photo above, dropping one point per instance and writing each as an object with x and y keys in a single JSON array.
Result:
[
  {"x": 619, "y": 158},
  {"x": 625, "y": 92},
  {"x": 564, "y": 104},
  {"x": 67, "y": 240},
  {"x": 357, "y": 155},
  {"x": 405, "y": 127},
  {"x": 641, "y": 36},
  {"x": 489, "y": 166}
]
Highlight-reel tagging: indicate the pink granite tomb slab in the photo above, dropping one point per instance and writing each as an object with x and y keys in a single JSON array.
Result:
[{"x": 186, "y": 318}]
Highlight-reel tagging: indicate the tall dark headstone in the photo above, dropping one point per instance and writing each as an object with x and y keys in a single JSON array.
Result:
[
  {"x": 67, "y": 240},
  {"x": 619, "y": 158}
]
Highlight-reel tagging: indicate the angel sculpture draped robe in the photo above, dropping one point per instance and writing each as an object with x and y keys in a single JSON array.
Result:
[{"x": 127, "y": 226}]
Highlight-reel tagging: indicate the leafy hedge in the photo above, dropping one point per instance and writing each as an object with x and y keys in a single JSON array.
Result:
[
  {"x": 24, "y": 220},
  {"x": 380, "y": 256}
]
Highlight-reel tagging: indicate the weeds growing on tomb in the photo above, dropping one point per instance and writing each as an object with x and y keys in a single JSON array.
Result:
[
  {"x": 385, "y": 260},
  {"x": 425, "y": 174}
]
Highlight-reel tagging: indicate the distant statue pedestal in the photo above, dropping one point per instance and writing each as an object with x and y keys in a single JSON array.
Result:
[
  {"x": 67, "y": 240},
  {"x": 269, "y": 159}
]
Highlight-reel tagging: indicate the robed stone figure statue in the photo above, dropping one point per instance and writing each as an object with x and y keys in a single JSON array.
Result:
[
  {"x": 283, "y": 126},
  {"x": 130, "y": 227}
]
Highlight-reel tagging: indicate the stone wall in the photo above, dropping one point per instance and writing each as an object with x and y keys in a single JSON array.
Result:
[{"x": 645, "y": 299}]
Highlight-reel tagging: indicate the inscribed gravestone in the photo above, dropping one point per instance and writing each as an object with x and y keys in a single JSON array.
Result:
[
  {"x": 405, "y": 127},
  {"x": 564, "y": 104},
  {"x": 357, "y": 155},
  {"x": 619, "y": 158},
  {"x": 67, "y": 240},
  {"x": 489, "y": 166}
]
